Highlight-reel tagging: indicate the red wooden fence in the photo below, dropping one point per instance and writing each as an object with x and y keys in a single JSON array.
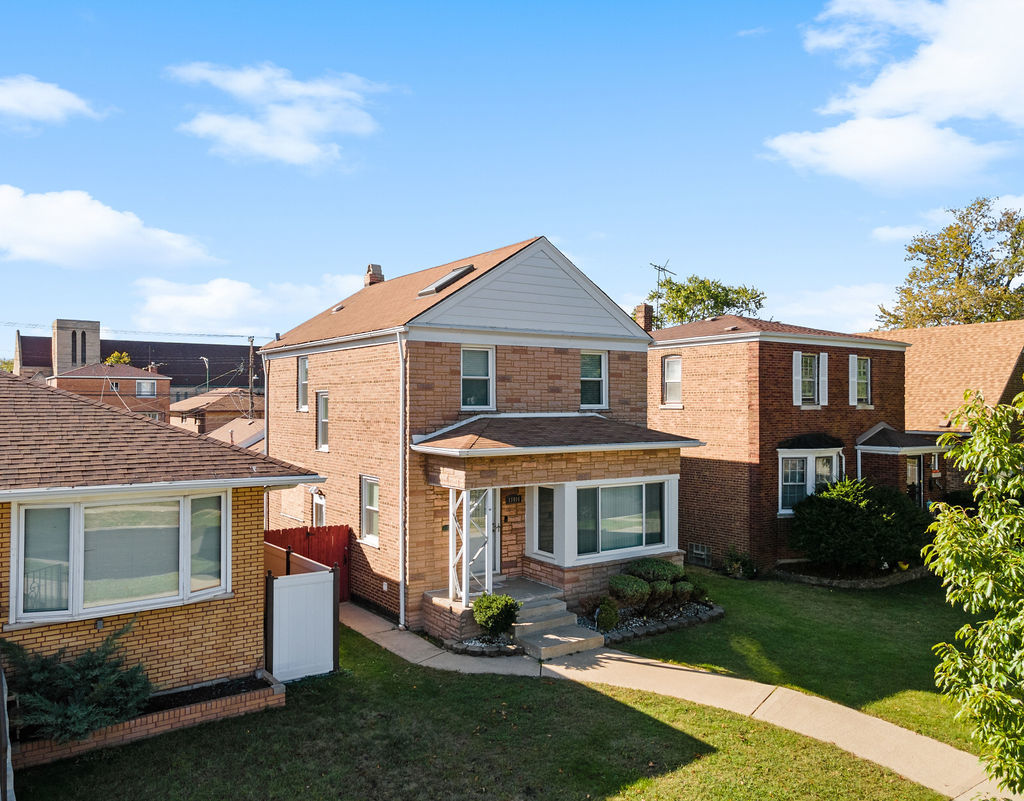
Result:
[{"x": 325, "y": 544}]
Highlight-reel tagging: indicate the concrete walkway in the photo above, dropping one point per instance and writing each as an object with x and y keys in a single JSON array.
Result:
[{"x": 928, "y": 762}]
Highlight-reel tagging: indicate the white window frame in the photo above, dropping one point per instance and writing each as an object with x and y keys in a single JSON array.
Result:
[
  {"x": 368, "y": 539},
  {"x": 302, "y": 384},
  {"x": 809, "y": 455},
  {"x": 536, "y": 520},
  {"x": 855, "y": 398},
  {"x": 114, "y": 385},
  {"x": 323, "y": 443},
  {"x": 319, "y": 508},
  {"x": 566, "y": 555},
  {"x": 491, "y": 404},
  {"x": 820, "y": 380},
  {"x": 665, "y": 402},
  {"x": 603, "y": 380},
  {"x": 138, "y": 388},
  {"x": 76, "y": 562}
]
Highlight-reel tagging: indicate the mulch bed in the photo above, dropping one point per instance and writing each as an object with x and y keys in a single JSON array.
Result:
[
  {"x": 209, "y": 692},
  {"x": 635, "y": 625}
]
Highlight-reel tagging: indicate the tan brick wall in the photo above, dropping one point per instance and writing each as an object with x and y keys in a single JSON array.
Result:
[
  {"x": 180, "y": 645},
  {"x": 98, "y": 389},
  {"x": 738, "y": 398}
]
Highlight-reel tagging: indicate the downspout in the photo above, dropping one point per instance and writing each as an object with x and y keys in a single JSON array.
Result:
[
  {"x": 266, "y": 436},
  {"x": 858, "y": 464},
  {"x": 401, "y": 479}
]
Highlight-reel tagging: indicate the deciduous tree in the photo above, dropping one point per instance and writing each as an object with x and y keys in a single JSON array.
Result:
[
  {"x": 698, "y": 298},
  {"x": 968, "y": 272},
  {"x": 118, "y": 358}
]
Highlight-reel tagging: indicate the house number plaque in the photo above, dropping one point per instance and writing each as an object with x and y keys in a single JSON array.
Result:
[{"x": 514, "y": 498}]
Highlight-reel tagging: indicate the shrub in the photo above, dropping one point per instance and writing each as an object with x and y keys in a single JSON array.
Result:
[
  {"x": 607, "y": 614},
  {"x": 698, "y": 593},
  {"x": 651, "y": 569},
  {"x": 682, "y": 592},
  {"x": 67, "y": 700},
  {"x": 661, "y": 591},
  {"x": 495, "y": 613},
  {"x": 739, "y": 564},
  {"x": 854, "y": 525},
  {"x": 630, "y": 590},
  {"x": 963, "y": 498}
]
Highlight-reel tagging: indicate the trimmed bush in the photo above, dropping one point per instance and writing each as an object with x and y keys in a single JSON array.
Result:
[
  {"x": 855, "y": 525},
  {"x": 661, "y": 591},
  {"x": 739, "y": 564},
  {"x": 682, "y": 592},
  {"x": 495, "y": 613},
  {"x": 651, "y": 569},
  {"x": 607, "y": 614},
  {"x": 66, "y": 700},
  {"x": 698, "y": 593},
  {"x": 629, "y": 590}
]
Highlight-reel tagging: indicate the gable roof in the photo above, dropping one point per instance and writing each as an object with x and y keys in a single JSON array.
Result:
[
  {"x": 112, "y": 371},
  {"x": 945, "y": 361},
  {"x": 393, "y": 302},
  {"x": 51, "y": 439},
  {"x": 510, "y": 435},
  {"x": 218, "y": 400},
  {"x": 241, "y": 431},
  {"x": 727, "y": 327}
]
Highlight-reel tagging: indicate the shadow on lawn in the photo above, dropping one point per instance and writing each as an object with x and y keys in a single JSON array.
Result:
[{"x": 386, "y": 729}]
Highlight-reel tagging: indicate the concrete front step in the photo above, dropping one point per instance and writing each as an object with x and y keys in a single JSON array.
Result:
[
  {"x": 554, "y": 621},
  {"x": 540, "y": 609},
  {"x": 560, "y": 642}
]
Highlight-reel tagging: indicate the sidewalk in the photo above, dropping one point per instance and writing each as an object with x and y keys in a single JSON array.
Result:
[{"x": 928, "y": 762}]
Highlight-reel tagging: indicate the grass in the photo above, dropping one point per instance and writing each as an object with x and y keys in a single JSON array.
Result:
[
  {"x": 868, "y": 649},
  {"x": 386, "y": 729}
]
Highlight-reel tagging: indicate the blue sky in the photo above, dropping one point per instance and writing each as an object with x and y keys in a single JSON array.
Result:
[{"x": 205, "y": 168}]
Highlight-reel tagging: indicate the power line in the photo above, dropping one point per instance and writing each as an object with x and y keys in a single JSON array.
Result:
[{"x": 129, "y": 331}]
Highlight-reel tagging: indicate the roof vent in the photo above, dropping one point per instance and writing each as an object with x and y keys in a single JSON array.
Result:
[
  {"x": 732, "y": 328},
  {"x": 338, "y": 308},
  {"x": 712, "y": 319},
  {"x": 445, "y": 281}
]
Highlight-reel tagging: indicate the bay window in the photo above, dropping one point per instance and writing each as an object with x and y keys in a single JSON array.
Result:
[
  {"x": 89, "y": 559},
  {"x": 802, "y": 473}
]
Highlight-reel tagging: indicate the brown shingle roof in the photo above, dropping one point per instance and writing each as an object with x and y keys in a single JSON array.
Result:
[
  {"x": 944, "y": 361},
  {"x": 112, "y": 371},
  {"x": 888, "y": 437},
  {"x": 241, "y": 431},
  {"x": 485, "y": 435},
  {"x": 53, "y": 438},
  {"x": 393, "y": 302},
  {"x": 727, "y": 324},
  {"x": 218, "y": 400}
]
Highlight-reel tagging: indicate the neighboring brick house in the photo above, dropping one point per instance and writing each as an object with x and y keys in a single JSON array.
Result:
[
  {"x": 107, "y": 517},
  {"x": 243, "y": 432},
  {"x": 193, "y": 367},
  {"x": 210, "y": 410},
  {"x": 121, "y": 386},
  {"x": 782, "y": 409},
  {"x": 477, "y": 420}
]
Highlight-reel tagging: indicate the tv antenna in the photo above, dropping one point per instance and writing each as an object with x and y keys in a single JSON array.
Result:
[{"x": 662, "y": 270}]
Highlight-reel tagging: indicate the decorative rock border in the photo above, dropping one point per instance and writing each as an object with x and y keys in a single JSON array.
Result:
[
  {"x": 854, "y": 584},
  {"x": 714, "y": 612},
  {"x": 493, "y": 649}
]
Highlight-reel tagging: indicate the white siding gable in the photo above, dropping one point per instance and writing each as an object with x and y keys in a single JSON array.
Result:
[{"x": 537, "y": 290}]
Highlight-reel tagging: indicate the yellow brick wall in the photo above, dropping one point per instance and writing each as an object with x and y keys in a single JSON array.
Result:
[{"x": 180, "y": 645}]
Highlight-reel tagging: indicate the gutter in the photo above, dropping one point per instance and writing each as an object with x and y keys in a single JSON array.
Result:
[
  {"x": 618, "y": 446},
  {"x": 159, "y": 486}
]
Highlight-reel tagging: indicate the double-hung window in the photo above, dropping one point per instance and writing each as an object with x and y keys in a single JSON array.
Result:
[
  {"x": 369, "y": 531},
  {"x": 477, "y": 378},
  {"x": 546, "y": 520},
  {"x": 593, "y": 380},
  {"x": 319, "y": 510},
  {"x": 810, "y": 379},
  {"x": 145, "y": 389},
  {"x": 114, "y": 386},
  {"x": 860, "y": 381},
  {"x": 302, "y": 384},
  {"x": 671, "y": 380},
  {"x": 82, "y": 560},
  {"x": 610, "y": 518},
  {"x": 322, "y": 442},
  {"x": 802, "y": 473}
]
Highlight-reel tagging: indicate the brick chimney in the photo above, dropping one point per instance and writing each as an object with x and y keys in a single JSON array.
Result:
[
  {"x": 644, "y": 316},
  {"x": 374, "y": 275}
]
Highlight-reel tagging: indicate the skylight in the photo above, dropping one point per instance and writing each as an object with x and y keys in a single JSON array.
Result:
[{"x": 445, "y": 281}]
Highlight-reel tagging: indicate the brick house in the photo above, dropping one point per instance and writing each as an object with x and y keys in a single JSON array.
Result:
[
  {"x": 106, "y": 516},
  {"x": 121, "y": 386},
  {"x": 781, "y": 408},
  {"x": 208, "y": 411},
  {"x": 476, "y": 421}
]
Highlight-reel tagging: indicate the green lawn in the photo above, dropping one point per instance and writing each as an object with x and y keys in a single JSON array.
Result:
[
  {"x": 868, "y": 649},
  {"x": 386, "y": 729}
]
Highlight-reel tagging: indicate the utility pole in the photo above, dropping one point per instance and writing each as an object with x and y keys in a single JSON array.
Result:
[{"x": 252, "y": 402}]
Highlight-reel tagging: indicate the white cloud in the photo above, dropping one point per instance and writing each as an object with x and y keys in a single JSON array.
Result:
[
  {"x": 904, "y": 122},
  {"x": 25, "y": 97},
  {"x": 896, "y": 233},
  {"x": 73, "y": 229},
  {"x": 760, "y": 30},
  {"x": 934, "y": 219},
  {"x": 288, "y": 120},
  {"x": 227, "y": 305},
  {"x": 846, "y": 308}
]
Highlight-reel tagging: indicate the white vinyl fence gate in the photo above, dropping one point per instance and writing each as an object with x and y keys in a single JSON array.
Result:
[{"x": 301, "y": 626}]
